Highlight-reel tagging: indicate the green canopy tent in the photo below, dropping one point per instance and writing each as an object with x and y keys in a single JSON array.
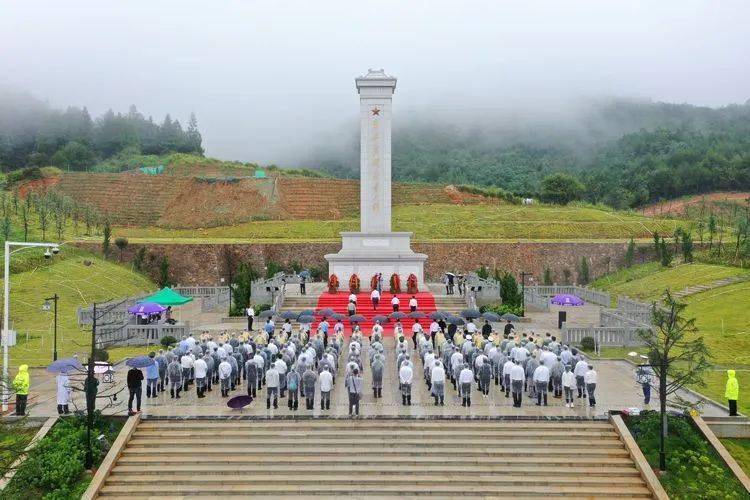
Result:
[{"x": 167, "y": 297}]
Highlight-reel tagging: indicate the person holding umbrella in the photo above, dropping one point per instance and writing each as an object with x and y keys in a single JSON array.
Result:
[{"x": 63, "y": 393}]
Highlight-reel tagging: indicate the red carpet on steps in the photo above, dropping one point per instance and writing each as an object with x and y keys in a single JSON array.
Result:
[{"x": 339, "y": 301}]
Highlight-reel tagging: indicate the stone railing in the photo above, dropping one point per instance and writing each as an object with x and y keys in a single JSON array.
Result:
[
  {"x": 116, "y": 311},
  {"x": 132, "y": 334},
  {"x": 534, "y": 301},
  {"x": 202, "y": 291},
  {"x": 587, "y": 294},
  {"x": 616, "y": 318},
  {"x": 269, "y": 291},
  {"x": 607, "y": 336}
]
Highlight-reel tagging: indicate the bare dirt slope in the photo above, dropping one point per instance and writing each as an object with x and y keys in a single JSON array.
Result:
[{"x": 680, "y": 206}]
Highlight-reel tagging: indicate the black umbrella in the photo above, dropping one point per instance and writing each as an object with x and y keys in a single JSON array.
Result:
[
  {"x": 289, "y": 315},
  {"x": 397, "y": 315},
  {"x": 357, "y": 318},
  {"x": 456, "y": 320},
  {"x": 338, "y": 316},
  {"x": 268, "y": 313},
  {"x": 437, "y": 315},
  {"x": 306, "y": 319},
  {"x": 239, "y": 402},
  {"x": 490, "y": 316},
  {"x": 140, "y": 362},
  {"x": 307, "y": 312},
  {"x": 381, "y": 318},
  {"x": 471, "y": 313},
  {"x": 509, "y": 317},
  {"x": 417, "y": 315}
]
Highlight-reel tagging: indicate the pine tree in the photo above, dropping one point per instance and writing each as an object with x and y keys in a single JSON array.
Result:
[
  {"x": 163, "y": 279},
  {"x": 194, "y": 139},
  {"x": 630, "y": 253},
  {"x": 106, "y": 237},
  {"x": 547, "y": 279},
  {"x": 583, "y": 272},
  {"x": 687, "y": 247}
]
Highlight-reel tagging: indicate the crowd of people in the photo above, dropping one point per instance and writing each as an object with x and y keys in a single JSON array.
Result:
[{"x": 298, "y": 364}]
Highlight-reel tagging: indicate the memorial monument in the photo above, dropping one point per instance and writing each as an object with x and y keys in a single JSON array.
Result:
[{"x": 375, "y": 248}]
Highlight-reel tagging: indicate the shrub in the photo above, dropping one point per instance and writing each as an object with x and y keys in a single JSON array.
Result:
[
  {"x": 168, "y": 341},
  {"x": 588, "y": 344},
  {"x": 502, "y": 309},
  {"x": 101, "y": 355}
]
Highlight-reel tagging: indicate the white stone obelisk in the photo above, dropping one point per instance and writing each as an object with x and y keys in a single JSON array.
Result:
[
  {"x": 375, "y": 249},
  {"x": 375, "y": 106}
]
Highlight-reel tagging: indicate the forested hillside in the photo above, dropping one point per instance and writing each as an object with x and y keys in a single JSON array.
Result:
[
  {"x": 32, "y": 133},
  {"x": 625, "y": 153}
]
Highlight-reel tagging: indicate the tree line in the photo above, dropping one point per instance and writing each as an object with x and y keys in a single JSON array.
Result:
[{"x": 33, "y": 133}]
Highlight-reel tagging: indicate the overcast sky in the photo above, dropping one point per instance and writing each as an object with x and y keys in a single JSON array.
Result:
[{"x": 267, "y": 79}]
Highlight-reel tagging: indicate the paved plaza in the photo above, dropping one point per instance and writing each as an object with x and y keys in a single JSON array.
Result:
[{"x": 616, "y": 390}]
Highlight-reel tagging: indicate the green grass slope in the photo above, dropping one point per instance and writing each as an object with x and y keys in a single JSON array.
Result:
[
  {"x": 442, "y": 222},
  {"x": 77, "y": 284}
]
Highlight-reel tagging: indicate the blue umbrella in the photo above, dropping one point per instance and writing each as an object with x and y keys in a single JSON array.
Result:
[
  {"x": 338, "y": 316},
  {"x": 471, "y": 313},
  {"x": 267, "y": 313},
  {"x": 397, "y": 315},
  {"x": 306, "y": 319},
  {"x": 305, "y": 274},
  {"x": 65, "y": 366},
  {"x": 490, "y": 316},
  {"x": 307, "y": 312},
  {"x": 437, "y": 315},
  {"x": 417, "y": 315},
  {"x": 381, "y": 318},
  {"x": 357, "y": 318},
  {"x": 289, "y": 315},
  {"x": 327, "y": 311},
  {"x": 140, "y": 362},
  {"x": 456, "y": 320}
]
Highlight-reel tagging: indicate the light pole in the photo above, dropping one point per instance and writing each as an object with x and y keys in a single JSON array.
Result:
[
  {"x": 46, "y": 307},
  {"x": 55, "y": 249}
]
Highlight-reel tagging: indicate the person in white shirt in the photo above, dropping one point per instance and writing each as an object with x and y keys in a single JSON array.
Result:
[
  {"x": 416, "y": 329},
  {"x": 465, "y": 379},
  {"x": 413, "y": 304},
  {"x": 272, "y": 387},
  {"x": 434, "y": 328},
  {"x": 260, "y": 366},
  {"x": 438, "y": 383},
  {"x": 287, "y": 328},
  {"x": 377, "y": 331},
  {"x": 395, "y": 302},
  {"x": 507, "y": 367},
  {"x": 541, "y": 379},
  {"x": 353, "y": 297},
  {"x": 517, "y": 377},
  {"x": 457, "y": 363},
  {"x": 471, "y": 327},
  {"x": 186, "y": 362},
  {"x": 405, "y": 377},
  {"x": 190, "y": 340},
  {"x": 326, "y": 384},
  {"x": 590, "y": 378},
  {"x": 201, "y": 369},
  {"x": 398, "y": 329},
  {"x": 250, "y": 313},
  {"x": 225, "y": 372},
  {"x": 568, "y": 383},
  {"x": 375, "y": 298},
  {"x": 580, "y": 371}
]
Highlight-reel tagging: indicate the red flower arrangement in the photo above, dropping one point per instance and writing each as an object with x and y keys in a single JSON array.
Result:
[
  {"x": 412, "y": 286},
  {"x": 395, "y": 283},
  {"x": 374, "y": 282},
  {"x": 354, "y": 283},
  {"x": 333, "y": 284}
]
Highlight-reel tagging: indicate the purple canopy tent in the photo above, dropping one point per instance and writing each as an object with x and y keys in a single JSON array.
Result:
[
  {"x": 566, "y": 299},
  {"x": 146, "y": 308}
]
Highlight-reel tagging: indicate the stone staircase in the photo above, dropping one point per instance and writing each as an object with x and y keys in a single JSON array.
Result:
[
  {"x": 453, "y": 304},
  {"x": 374, "y": 457},
  {"x": 692, "y": 290}
]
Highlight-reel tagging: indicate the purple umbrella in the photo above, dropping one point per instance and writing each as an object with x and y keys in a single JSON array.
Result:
[
  {"x": 65, "y": 366},
  {"x": 140, "y": 362},
  {"x": 239, "y": 402},
  {"x": 567, "y": 299},
  {"x": 146, "y": 308}
]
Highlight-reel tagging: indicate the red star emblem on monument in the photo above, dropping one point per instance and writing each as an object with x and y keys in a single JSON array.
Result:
[{"x": 375, "y": 112}]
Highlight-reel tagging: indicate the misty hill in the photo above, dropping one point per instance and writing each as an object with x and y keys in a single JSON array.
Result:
[
  {"x": 625, "y": 152},
  {"x": 32, "y": 133}
]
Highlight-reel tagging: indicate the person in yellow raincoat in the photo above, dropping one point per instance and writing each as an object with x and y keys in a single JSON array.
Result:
[
  {"x": 21, "y": 386},
  {"x": 732, "y": 392}
]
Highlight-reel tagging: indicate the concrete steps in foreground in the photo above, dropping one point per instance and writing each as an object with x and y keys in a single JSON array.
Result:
[{"x": 374, "y": 458}]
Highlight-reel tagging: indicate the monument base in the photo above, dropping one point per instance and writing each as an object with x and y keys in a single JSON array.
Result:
[{"x": 366, "y": 254}]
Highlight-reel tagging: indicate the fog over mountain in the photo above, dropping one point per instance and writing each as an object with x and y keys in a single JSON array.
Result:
[{"x": 273, "y": 82}]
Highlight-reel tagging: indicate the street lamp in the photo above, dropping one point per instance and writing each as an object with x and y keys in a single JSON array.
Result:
[
  {"x": 46, "y": 307},
  {"x": 51, "y": 249}
]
